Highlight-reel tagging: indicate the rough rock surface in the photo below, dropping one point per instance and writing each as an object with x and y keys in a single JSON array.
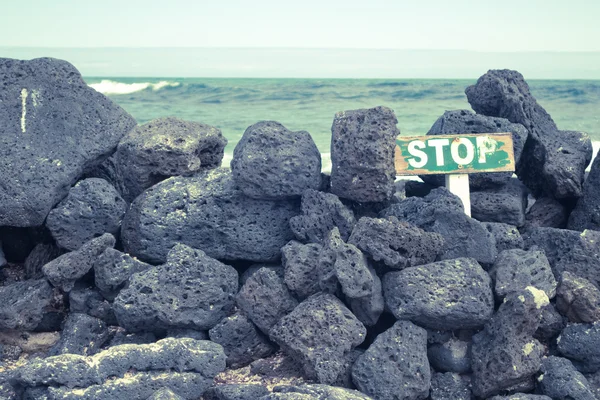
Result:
[
  {"x": 522, "y": 396},
  {"x": 450, "y": 386},
  {"x": 162, "y": 148},
  {"x": 551, "y": 324},
  {"x": 466, "y": 121},
  {"x": 192, "y": 290},
  {"x": 24, "y": 303},
  {"x": 321, "y": 212},
  {"x": 362, "y": 154},
  {"x": 206, "y": 211},
  {"x": 265, "y": 299},
  {"x": 271, "y": 162},
  {"x": 450, "y": 356},
  {"x": 578, "y": 299},
  {"x": 505, "y": 354},
  {"x": 92, "y": 207},
  {"x": 55, "y": 127},
  {"x": 112, "y": 270},
  {"x": 580, "y": 343},
  {"x": 553, "y": 162},
  {"x": 368, "y": 308},
  {"x": 395, "y": 365},
  {"x": 318, "y": 334},
  {"x": 446, "y": 295},
  {"x": 506, "y": 204},
  {"x": 560, "y": 380},
  {"x": 63, "y": 271},
  {"x": 89, "y": 301},
  {"x": 546, "y": 211},
  {"x": 516, "y": 269},
  {"x": 394, "y": 243},
  {"x": 81, "y": 334},
  {"x": 586, "y": 214},
  {"x": 236, "y": 392},
  {"x": 300, "y": 263},
  {"x": 241, "y": 340},
  {"x": 41, "y": 255},
  {"x": 314, "y": 391},
  {"x": 507, "y": 236},
  {"x": 555, "y": 243},
  {"x": 165, "y": 394}
]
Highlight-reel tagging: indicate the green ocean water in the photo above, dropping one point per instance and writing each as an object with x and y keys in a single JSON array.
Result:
[{"x": 310, "y": 104}]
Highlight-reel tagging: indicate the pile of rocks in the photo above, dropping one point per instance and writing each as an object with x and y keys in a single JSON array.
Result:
[{"x": 164, "y": 273}]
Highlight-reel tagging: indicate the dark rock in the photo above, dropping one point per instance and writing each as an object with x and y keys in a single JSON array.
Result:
[
  {"x": 162, "y": 148},
  {"x": 236, "y": 392},
  {"x": 318, "y": 334},
  {"x": 578, "y": 299},
  {"x": 553, "y": 162},
  {"x": 81, "y": 334},
  {"x": 92, "y": 207},
  {"x": 344, "y": 379},
  {"x": 583, "y": 259},
  {"x": 315, "y": 391},
  {"x": 546, "y": 211},
  {"x": 450, "y": 356},
  {"x": 581, "y": 344},
  {"x": 394, "y": 243},
  {"x": 70, "y": 370},
  {"x": 516, "y": 269},
  {"x": 252, "y": 269},
  {"x": 504, "y": 355},
  {"x": 450, "y": 386},
  {"x": 278, "y": 366},
  {"x": 271, "y": 162},
  {"x": 555, "y": 242},
  {"x": 507, "y": 236},
  {"x": 206, "y": 211},
  {"x": 368, "y": 309},
  {"x": 17, "y": 243},
  {"x": 55, "y": 128},
  {"x": 112, "y": 270},
  {"x": 3, "y": 261},
  {"x": 522, "y": 396},
  {"x": 586, "y": 214},
  {"x": 362, "y": 154},
  {"x": 417, "y": 189},
  {"x": 36, "y": 393},
  {"x": 301, "y": 263},
  {"x": 89, "y": 301},
  {"x": 241, "y": 341},
  {"x": 192, "y": 290},
  {"x": 321, "y": 212},
  {"x": 506, "y": 204},
  {"x": 41, "y": 255},
  {"x": 265, "y": 299},
  {"x": 24, "y": 304},
  {"x": 395, "y": 366},
  {"x": 561, "y": 381},
  {"x": 165, "y": 394},
  {"x": 9, "y": 352},
  {"x": 7, "y": 392},
  {"x": 178, "y": 333},
  {"x": 465, "y": 121},
  {"x": 446, "y": 295},
  {"x": 123, "y": 337},
  {"x": 594, "y": 381},
  {"x": 63, "y": 271},
  {"x": 551, "y": 324}
]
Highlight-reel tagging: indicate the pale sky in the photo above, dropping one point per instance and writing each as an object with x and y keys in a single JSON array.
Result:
[{"x": 480, "y": 25}]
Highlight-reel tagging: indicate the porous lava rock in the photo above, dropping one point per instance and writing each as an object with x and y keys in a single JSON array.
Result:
[
  {"x": 578, "y": 299},
  {"x": 547, "y": 211},
  {"x": 560, "y": 380},
  {"x": 586, "y": 214},
  {"x": 450, "y": 386},
  {"x": 24, "y": 303},
  {"x": 580, "y": 343},
  {"x": 506, "y": 204},
  {"x": 301, "y": 263},
  {"x": 81, "y": 334},
  {"x": 507, "y": 236},
  {"x": 112, "y": 270}
]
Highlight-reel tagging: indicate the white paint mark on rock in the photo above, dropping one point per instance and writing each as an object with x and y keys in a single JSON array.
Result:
[{"x": 23, "y": 109}]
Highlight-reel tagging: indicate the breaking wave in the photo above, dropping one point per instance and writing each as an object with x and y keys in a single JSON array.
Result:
[{"x": 107, "y": 86}]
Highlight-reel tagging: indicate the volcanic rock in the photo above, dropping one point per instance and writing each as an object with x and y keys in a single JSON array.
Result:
[
  {"x": 450, "y": 386},
  {"x": 506, "y": 204},
  {"x": 300, "y": 263},
  {"x": 560, "y": 380},
  {"x": 586, "y": 214},
  {"x": 24, "y": 303},
  {"x": 578, "y": 299},
  {"x": 450, "y": 356},
  {"x": 112, "y": 270},
  {"x": 580, "y": 343},
  {"x": 81, "y": 334},
  {"x": 507, "y": 236},
  {"x": 236, "y": 392},
  {"x": 546, "y": 211}
]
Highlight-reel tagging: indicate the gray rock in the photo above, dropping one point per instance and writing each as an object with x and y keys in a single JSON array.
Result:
[
  {"x": 551, "y": 324},
  {"x": 586, "y": 214},
  {"x": 555, "y": 242},
  {"x": 561, "y": 381},
  {"x": 516, "y": 269},
  {"x": 583, "y": 259},
  {"x": 65, "y": 270},
  {"x": 522, "y": 396},
  {"x": 395, "y": 365},
  {"x": 236, "y": 392},
  {"x": 466, "y": 121},
  {"x": 394, "y": 243},
  {"x": 24, "y": 304},
  {"x": 89, "y": 301},
  {"x": 507, "y": 236},
  {"x": 506, "y": 204},
  {"x": 301, "y": 263},
  {"x": 362, "y": 154},
  {"x": 318, "y": 334},
  {"x": 206, "y": 211},
  {"x": 55, "y": 128},
  {"x": 241, "y": 340},
  {"x": 252, "y": 269},
  {"x": 546, "y": 211},
  {"x": 594, "y": 381},
  {"x": 92, "y": 207},
  {"x": 580, "y": 343},
  {"x": 162, "y": 148},
  {"x": 553, "y": 162},
  {"x": 271, "y": 162},
  {"x": 81, "y": 334},
  {"x": 445, "y": 295},
  {"x": 450, "y": 356},
  {"x": 344, "y": 379},
  {"x": 321, "y": 212},
  {"x": 317, "y": 392},
  {"x": 504, "y": 355},
  {"x": 7, "y": 392},
  {"x": 450, "y": 386},
  {"x": 41, "y": 255},
  {"x": 279, "y": 366},
  {"x": 70, "y": 370},
  {"x": 578, "y": 299},
  {"x": 265, "y": 299},
  {"x": 192, "y": 290},
  {"x": 165, "y": 394},
  {"x": 369, "y": 308},
  {"x": 112, "y": 270}
]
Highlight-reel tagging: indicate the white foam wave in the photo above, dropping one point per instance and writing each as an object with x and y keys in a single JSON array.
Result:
[{"x": 107, "y": 86}]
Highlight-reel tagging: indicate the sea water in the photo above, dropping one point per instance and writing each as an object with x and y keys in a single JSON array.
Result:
[{"x": 310, "y": 104}]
